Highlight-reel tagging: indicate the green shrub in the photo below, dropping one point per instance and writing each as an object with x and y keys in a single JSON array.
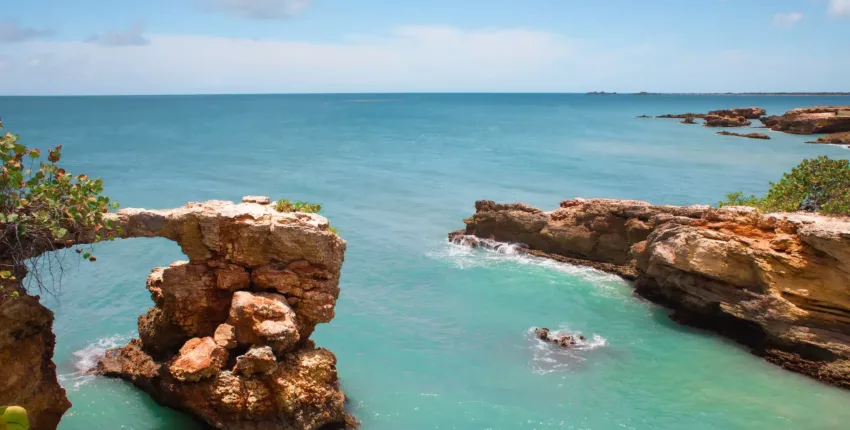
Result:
[
  {"x": 284, "y": 205},
  {"x": 817, "y": 185},
  {"x": 43, "y": 208}
]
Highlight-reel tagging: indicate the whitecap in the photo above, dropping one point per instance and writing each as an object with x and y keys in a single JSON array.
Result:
[
  {"x": 549, "y": 357},
  {"x": 84, "y": 360}
]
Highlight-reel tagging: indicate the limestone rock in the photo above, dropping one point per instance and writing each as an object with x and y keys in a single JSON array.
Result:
[
  {"x": 747, "y": 135},
  {"x": 842, "y": 138},
  {"x": 256, "y": 360},
  {"x": 812, "y": 120},
  {"x": 775, "y": 282},
  {"x": 263, "y": 319},
  {"x": 263, "y": 200},
  {"x": 748, "y": 113},
  {"x": 199, "y": 358},
  {"x": 725, "y": 121},
  {"x": 225, "y": 336}
]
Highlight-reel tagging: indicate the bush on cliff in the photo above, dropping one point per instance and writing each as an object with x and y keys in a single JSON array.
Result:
[
  {"x": 43, "y": 208},
  {"x": 284, "y": 205},
  {"x": 816, "y": 185}
]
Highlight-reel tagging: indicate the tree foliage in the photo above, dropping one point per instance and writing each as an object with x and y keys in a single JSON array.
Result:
[
  {"x": 284, "y": 205},
  {"x": 816, "y": 185},
  {"x": 44, "y": 208}
]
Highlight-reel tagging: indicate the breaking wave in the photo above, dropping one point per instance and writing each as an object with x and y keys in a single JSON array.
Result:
[
  {"x": 548, "y": 357},
  {"x": 86, "y": 359}
]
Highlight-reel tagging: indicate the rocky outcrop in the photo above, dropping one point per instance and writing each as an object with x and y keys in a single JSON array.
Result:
[
  {"x": 27, "y": 373},
  {"x": 228, "y": 337},
  {"x": 835, "y": 138},
  {"x": 748, "y": 113},
  {"x": 725, "y": 121},
  {"x": 776, "y": 282},
  {"x": 812, "y": 120},
  {"x": 688, "y": 120},
  {"x": 747, "y": 135},
  {"x": 682, "y": 115}
]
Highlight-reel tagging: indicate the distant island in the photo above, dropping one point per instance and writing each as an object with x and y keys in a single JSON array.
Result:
[{"x": 644, "y": 93}]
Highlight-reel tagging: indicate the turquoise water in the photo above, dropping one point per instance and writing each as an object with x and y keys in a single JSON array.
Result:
[{"x": 430, "y": 335}]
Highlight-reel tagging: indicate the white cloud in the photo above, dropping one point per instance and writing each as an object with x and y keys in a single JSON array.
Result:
[
  {"x": 410, "y": 58},
  {"x": 787, "y": 19},
  {"x": 132, "y": 36},
  {"x": 12, "y": 31},
  {"x": 258, "y": 9},
  {"x": 839, "y": 8}
]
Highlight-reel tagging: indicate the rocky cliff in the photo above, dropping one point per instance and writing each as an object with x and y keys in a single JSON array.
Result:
[
  {"x": 228, "y": 337},
  {"x": 779, "y": 283},
  {"x": 811, "y": 120},
  {"x": 27, "y": 372}
]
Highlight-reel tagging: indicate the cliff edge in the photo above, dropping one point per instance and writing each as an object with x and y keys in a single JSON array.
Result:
[{"x": 779, "y": 283}]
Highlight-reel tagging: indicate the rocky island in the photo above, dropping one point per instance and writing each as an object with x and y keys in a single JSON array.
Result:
[
  {"x": 747, "y": 135},
  {"x": 774, "y": 282},
  {"x": 811, "y": 120},
  {"x": 228, "y": 338},
  {"x": 842, "y": 138}
]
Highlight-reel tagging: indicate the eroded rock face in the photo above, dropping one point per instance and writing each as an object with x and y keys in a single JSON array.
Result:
[
  {"x": 725, "y": 121},
  {"x": 776, "y": 282},
  {"x": 812, "y": 120},
  {"x": 748, "y": 112},
  {"x": 228, "y": 337},
  {"x": 27, "y": 374},
  {"x": 835, "y": 138}
]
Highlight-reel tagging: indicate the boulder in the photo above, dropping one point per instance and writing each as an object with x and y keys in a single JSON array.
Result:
[
  {"x": 225, "y": 336},
  {"x": 256, "y": 360},
  {"x": 198, "y": 359},
  {"x": 263, "y": 319}
]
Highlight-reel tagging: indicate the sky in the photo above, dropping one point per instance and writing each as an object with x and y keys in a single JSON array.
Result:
[{"x": 61, "y": 47}]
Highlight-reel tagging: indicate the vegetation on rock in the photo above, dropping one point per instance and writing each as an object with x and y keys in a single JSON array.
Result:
[
  {"x": 44, "y": 208},
  {"x": 816, "y": 185},
  {"x": 284, "y": 205}
]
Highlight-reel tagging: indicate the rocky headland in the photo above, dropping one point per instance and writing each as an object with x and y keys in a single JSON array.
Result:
[
  {"x": 725, "y": 121},
  {"x": 228, "y": 339},
  {"x": 747, "y": 135},
  {"x": 774, "y": 282},
  {"x": 811, "y": 120}
]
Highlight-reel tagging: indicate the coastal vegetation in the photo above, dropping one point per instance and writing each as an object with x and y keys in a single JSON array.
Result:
[
  {"x": 284, "y": 205},
  {"x": 816, "y": 185},
  {"x": 44, "y": 208}
]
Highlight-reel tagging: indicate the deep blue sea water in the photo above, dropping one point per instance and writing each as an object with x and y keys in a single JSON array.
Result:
[{"x": 430, "y": 335}]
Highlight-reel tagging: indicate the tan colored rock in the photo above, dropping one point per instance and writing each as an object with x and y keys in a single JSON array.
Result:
[
  {"x": 748, "y": 113},
  {"x": 198, "y": 359},
  {"x": 263, "y": 319},
  {"x": 776, "y": 282},
  {"x": 725, "y": 121},
  {"x": 812, "y": 120},
  {"x": 263, "y": 200},
  {"x": 225, "y": 336},
  {"x": 842, "y": 138},
  {"x": 256, "y": 360}
]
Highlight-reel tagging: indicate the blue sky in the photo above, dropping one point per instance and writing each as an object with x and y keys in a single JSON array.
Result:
[{"x": 273, "y": 46}]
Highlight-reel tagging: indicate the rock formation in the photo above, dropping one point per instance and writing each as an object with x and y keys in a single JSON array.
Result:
[
  {"x": 27, "y": 372},
  {"x": 228, "y": 337},
  {"x": 682, "y": 115},
  {"x": 812, "y": 120},
  {"x": 835, "y": 138},
  {"x": 747, "y": 135},
  {"x": 748, "y": 113},
  {"x": 725, "y": 121},
  {"x": 688, "y": 120},
  {"x": 776, "y": 282}
]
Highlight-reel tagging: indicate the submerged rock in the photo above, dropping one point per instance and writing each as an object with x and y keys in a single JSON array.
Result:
[
  {"x": 747, "y": 135},
  {"x": 725, "y": 121},
  {"x": 230, "y": 348},
  {"x": 775, "y": 282},
  {"x": 812, "y": 120}
]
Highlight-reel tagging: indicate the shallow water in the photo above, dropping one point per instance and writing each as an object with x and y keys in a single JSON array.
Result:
[{"x": 431, "y": 335}]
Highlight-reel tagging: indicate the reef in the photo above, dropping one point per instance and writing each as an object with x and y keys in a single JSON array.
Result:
[
  {"x": 747, "y": 135},
  {"x": 774, "y": 282}
]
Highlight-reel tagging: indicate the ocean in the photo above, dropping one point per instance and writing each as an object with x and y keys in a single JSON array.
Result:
[{"x": 431, "y": 335}]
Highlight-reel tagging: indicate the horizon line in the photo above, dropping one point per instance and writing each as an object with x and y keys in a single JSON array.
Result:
[{"x": 591, "y": 93}]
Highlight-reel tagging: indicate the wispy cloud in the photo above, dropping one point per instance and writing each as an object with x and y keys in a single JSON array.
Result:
[
  {"x": 839, "y": 8},
  {"x": 258, "y": 9},
  {"x": 787, "y": 19},
  {"x": 132, "y": 36},
  {"x": 12, "y": 31}
]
